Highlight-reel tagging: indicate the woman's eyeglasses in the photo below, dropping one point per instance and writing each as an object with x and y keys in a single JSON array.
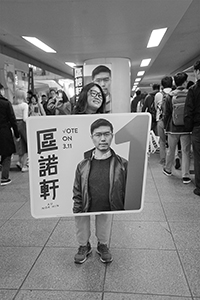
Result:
[{"x": 95, "y": 94}]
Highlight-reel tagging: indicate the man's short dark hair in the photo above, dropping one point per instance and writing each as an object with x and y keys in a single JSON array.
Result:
[
  {"x": 180, "y": 78},
  {"x": 197, "y": 65},
  {"x": 100, "y": 69},
  {"x": 156, "y": 86},
  {"x": 167, "y": 82},
  {"x": 138, "y": 92},
  {"x": 98, "y": 123}
]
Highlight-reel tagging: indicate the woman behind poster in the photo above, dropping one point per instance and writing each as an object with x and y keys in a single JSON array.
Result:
[
  {"x": 92, "y": 101},
  {"x": 20, "y": 108}
]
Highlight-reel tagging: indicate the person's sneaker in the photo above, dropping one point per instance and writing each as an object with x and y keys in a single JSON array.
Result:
[
  {"x": 24, "y": 169},
  {"x": 166, "y": 172},
  {"x": 82, "y": 254},
  {"x": 103, "y": 251},
  {"x": 177, "y": 163},
  {"x": 186, "y": 180},
  {"x": 5, "y": 181},
  {"x": 196, "y": 192}
]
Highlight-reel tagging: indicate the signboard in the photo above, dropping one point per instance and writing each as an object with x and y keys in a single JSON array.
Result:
[
  {"x": 78, "y": 80},
  {"x": 57, "y": 144}
]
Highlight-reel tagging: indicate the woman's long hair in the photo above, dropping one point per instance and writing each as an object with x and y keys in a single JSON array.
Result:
[
  {"x": 64, "y": 96},
  {"x": 81, "y": 105}
]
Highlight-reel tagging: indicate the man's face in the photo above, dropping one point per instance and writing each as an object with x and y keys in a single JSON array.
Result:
[
  {"x": 102, "y": 138},
  {"x": 104, "y": 80},
  {"x": 44, "y": 98},
  {"x": 53, "y": 94}
]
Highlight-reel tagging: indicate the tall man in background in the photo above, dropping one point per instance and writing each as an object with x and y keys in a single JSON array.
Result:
[{"x": 192, "y": 122}]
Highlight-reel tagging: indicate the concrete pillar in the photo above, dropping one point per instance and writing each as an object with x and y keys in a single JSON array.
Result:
[{"x": 121, "y": 80}]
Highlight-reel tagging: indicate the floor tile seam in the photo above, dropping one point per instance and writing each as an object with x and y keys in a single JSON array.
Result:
[
  {"x": 176, "y": 249},
  {"x": 54, "y": 290},
  {"x": 36, "y": 259},
  {"x": 172, "y": 236},
  {"x": 149, "y": 294},
  {"x": 3, "y": 222},
  {"x": 187, "y": 222},
  {"x": 8, "y": 219},
  {"x": 59, "y": 290},
  {"x": 94, "y": 247},
  {"x": 21, "y": 246},
  {"x": 150, "y": 249},
  {"x": 139, "y": 221},
  {"x": 103, "y": 292},
  {"x": 16, "y": 210}
]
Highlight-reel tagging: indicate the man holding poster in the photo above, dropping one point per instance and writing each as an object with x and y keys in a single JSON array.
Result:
[{"x": 99, "y": 186}]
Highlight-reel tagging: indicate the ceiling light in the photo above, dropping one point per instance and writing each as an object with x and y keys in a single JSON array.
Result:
[
  {"x": 137, "y": 79},
  {"x": 156, "y": 37},
  {"x": 36, "y": 42},
  {"x": 136, "y": 83},
  {"x": 71, "y": 64},
  {"x": 140, "y": 73},
  {"x": 145, "y": 62}
]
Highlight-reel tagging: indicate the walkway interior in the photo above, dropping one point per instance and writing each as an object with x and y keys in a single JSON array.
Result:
[{"x": 156, "y": 252}]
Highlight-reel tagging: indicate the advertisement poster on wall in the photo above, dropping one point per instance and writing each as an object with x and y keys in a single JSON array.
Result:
[
  {"x": 9, "y": 75},
  {"x": 102, "y": 75},
  {"x": 78, "y": 160}
]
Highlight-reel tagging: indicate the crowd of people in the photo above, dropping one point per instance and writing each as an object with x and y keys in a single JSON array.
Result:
[
  {"x": 176, "y": 133},
  {"x": 174, "y": 105}
]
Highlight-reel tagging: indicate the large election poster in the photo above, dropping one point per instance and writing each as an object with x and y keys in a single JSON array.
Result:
[{"x": 62, "y": 170}]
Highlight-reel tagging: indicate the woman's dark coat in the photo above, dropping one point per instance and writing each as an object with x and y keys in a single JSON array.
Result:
[{"x": 7, "y": 121}]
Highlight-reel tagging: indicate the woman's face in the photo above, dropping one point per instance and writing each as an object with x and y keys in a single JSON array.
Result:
[
  {"x": 94, "y": 99},
  {"x": 33, "y": 100}
]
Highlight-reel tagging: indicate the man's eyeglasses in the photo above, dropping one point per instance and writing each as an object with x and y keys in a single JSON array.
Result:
[
  {"x": 95, "y": 94},
  {"x": 100, "y": 134}
]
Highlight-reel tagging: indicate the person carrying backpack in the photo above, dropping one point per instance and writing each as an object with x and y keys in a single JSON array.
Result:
[
  {"x": 160, "y": 99},
  {"x": 175, "y": 129},
  {"x": 149, "y": 106}
]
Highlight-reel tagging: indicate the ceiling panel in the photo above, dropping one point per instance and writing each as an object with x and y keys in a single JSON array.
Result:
[{"x": 84, "y": 29}]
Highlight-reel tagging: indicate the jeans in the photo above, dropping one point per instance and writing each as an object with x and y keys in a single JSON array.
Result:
[
  {"x": 196, "y": 152},
  {"x": 185, "y": 140},
  {"x": 102, "y": 225},
  {"x": 5, "y": 162},
  {"x": 162, "y": 135}
]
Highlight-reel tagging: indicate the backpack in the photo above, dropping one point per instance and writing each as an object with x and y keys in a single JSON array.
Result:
[
  {"x": 162, "y": 107},
  {"x": 178, "y": 104},
  {"x": 152, "y": 110}
]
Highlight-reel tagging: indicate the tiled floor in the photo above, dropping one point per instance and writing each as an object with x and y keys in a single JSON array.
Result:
[{"x": 156, "y": 252}]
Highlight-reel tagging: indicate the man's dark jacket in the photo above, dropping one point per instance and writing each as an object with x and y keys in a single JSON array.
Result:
[
  {"x": 192, "y": 107},
  {"x": 118, "y": 175}
]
